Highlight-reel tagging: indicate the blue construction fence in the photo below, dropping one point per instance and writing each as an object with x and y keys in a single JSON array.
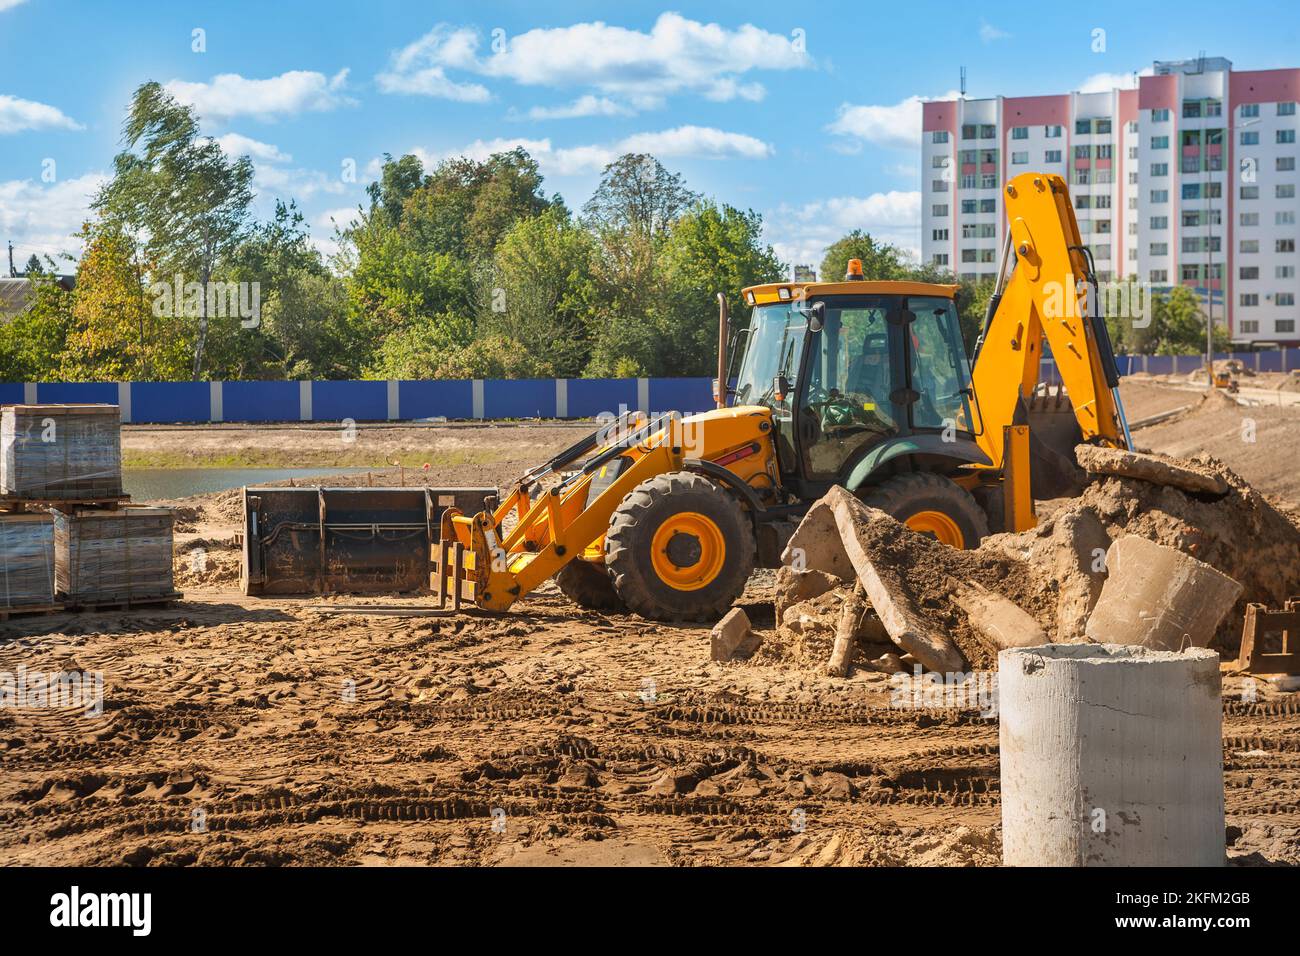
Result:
[
  {"x": 469, "y": 399},
  {"x": 373, "y": 401}
]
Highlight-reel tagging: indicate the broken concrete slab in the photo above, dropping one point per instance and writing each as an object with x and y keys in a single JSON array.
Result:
[
  {"x": 997, "y": 620},
  {"x": 816, "y": 544},
  {"x": 884, "y": 584},
  {"x": 1157, "y": 469},
  {"x": 733, "y": 637},
  {"x": 794, "y": 586},
  {"x": 1159, "y": 597}
]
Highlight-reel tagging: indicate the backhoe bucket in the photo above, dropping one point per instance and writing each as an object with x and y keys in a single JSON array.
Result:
[
  {"x": 344, "y": 540},
  {"x": 1053, "y": 434}
]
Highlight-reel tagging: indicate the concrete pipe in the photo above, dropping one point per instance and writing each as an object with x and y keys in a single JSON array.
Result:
[{"x": 1111, "y": 755}]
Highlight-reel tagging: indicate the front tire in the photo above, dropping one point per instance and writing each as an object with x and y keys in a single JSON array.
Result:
[
  {"x": 679, "y": 547},
  {"x": 933, "y": 505}
]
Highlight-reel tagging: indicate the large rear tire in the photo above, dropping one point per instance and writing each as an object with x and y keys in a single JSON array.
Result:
[
  {"x": 932, "y": 504},
  {"x": 588, "y": 585},
  {"x": 679, "y": 548}
]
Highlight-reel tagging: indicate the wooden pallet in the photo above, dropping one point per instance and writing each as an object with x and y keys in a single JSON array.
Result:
[
  {"x": 122, "y": 604},
  {"x": 33, "y": 609},
  {"x": 15, "y": 505}
]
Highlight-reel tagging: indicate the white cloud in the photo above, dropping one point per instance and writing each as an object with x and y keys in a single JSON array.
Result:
[
  {"x": 42, "y": 218},
  {"x": 586, "y": 105},
  {"x": 677, "y": 56},
  {"x": 297, "y": 91},
  {"x": 290, "y": 183},
  {"x": 10, "y": 4},
  {"x": 235, "y": 144},
  {"x": 1105, "y": 82},
  {"x": 800, "y": 234},
  {"x": 990, "y": 33},
  {"x": 683, "y": 142},
  {"x": 897, "y": 126},
  {"x": 17, "y": 115}
]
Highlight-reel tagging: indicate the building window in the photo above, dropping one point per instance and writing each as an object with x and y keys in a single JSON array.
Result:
[
  {"x": 988, "y": 230},
  {"x": 1248, "y": 272},
  {"x": 1249, "y": 219},
  {"x": 1213, "y": 107},
  {"x": 967, "y": 181},
  {"x": 1082, "y": 127},
  {"x": 1249, "y": 246},
  {"x": 938, "y": 186},
  {"x": 1158, "y": 249},
  {"x": 1284, "y": 190},
  {"x": 1159, "y": 142},
  {"x": 1020, "y": 132},
  {"x": 989, "y": 181},
  {"x": 1286, "y": 109},
  {"x": 968, "y": 207},
  {"x": 1083, "y": 152},
  {"x": 1284, "y": 272},
  {"x": 1020, "y": 159},
  {"x": 1248, "y": 326},
  {"x": 1285, "y": 245},
  {"x": 1052, "y": 156},
  {"x": 939, "y": 136},
  {"x": 1101, "y": 202},
  {"x": 1249, "y": 192},
  {"x": 940, "y": 259},
  {"x": 1160, "y": 195},
  {"x": 988, "y": 205},
  {"x": 988, "y": 131},
  {"x": 1160, "y": 116},
  {"x": 1082, "y": 201},
  {"x": 938, "y": 162},
  {"x": 987, "y": 255},
  {"x": 1286, "y": 136},
  {"x": 969, "y": 131},
  {"x": 1284, "y": 217},
  {"x": 1284, "y": 325},
  {"x": 1248, "y": 299},
  {"x": 1158, "y": 276},
  {"x": 1249, "y": 110},
  {"x": 1159, "y": 169},
  {"x": 1250, "y": 138},
  {"x": 968, "y": 255},
  {"x": 1191, "y": 109},
  {"x": 1285, "y": 298},
  {"x": 939, "y": 209},
  {"x": 1159, "y": 222},
  {"x": 1052, "y": 132},
  {"x": 939, "y": 235},
  {"x": 1285, "y": 164},
  {"x": 1102, "y": 127}
]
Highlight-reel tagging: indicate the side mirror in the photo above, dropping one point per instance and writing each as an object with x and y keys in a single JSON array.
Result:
[
  {"x": 816, "y": 316},
  {"x": 780, "y": 388}
]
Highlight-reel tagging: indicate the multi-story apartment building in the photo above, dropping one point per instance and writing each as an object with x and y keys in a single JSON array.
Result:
[{"x": 1188, "y": 179}]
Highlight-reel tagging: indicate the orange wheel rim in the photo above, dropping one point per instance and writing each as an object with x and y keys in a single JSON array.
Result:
[
  {"x": 688, "y": 551},
  {"x": 938, "y": 526}
]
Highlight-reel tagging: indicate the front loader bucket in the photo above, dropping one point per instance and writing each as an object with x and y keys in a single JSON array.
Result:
[
  {"x": 344, "y": 540},
  {"x": 1053, "y": 433}
]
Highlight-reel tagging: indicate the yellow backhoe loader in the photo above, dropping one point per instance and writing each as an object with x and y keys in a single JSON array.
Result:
[{"x": 857, "y": 383}]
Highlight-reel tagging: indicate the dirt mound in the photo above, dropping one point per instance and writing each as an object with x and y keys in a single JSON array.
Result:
[
  {"x": 1241, "y": 534},
  {"x": 199, "y": 566}
]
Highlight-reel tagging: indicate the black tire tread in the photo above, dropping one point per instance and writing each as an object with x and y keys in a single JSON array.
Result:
[
  {"x": 629, "y": 524},
  {"x": 588, "y": 585},
  {"x": 894, "y": 496}
]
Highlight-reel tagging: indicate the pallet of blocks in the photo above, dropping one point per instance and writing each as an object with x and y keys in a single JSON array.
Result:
[
  {"x": 26, "y": 565},
  {"x": 60, "y": 453},
  {"x": 117, "y": 558}
]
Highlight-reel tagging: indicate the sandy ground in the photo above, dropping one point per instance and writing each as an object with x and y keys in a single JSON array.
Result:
[{"x": 379, "y": 731}]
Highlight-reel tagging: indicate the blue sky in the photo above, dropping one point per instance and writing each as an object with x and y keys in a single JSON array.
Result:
[{"x": 808, "y": 114}]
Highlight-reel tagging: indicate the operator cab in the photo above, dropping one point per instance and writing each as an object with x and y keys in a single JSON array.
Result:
[{"x": 848, "y": 367}]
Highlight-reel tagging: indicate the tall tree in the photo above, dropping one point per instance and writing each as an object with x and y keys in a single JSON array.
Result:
[
  {"x": 180, "y": 192},
  {"x": 880, "y": 260},
  {"x": 637, "y": 194}
]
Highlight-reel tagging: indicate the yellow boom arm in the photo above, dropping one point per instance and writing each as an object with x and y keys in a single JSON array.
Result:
[{"x": 1048, "y": 295}]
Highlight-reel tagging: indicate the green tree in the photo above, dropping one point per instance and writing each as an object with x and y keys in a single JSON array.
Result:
[
  {"x": 880, "y": 260},
  {"x": 637, "y": 194},
  {"x": 180, "y": 192},
  {"x": 32, "y": 343}
]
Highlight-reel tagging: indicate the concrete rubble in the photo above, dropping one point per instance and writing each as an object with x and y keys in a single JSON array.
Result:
[
  {"x": 733, "y": 637},
  {"x": 1159, "y": 552}
]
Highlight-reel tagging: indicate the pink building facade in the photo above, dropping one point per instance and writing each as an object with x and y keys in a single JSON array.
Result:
[{"x": 1188, "y": 179}]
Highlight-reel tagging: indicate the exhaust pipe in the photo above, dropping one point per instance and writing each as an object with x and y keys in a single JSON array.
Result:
[{"x": 720, "y": 383}]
